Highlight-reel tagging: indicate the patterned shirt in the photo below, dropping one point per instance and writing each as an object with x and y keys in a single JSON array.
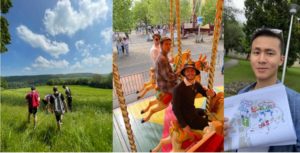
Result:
[{"x": 165, "y": 77}]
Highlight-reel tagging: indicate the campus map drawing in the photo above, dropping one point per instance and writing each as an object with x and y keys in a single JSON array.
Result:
[{"x": 259, "y": 118}]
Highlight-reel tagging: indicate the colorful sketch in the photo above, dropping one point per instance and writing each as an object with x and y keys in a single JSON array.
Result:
[{"x": 259, "y": 118}]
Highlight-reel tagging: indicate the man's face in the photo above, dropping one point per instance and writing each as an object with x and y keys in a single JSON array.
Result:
[
  {"x": 166, "y": 46},
  {"x": 190, "y": 74},
  {"x": 265, "y": 57},
  {"x": 156, "y": 40}
]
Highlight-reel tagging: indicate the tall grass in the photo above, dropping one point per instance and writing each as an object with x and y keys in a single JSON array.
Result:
[{"x": 88, "y": 128}]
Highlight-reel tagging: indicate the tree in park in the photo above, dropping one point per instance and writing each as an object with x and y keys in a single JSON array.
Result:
[
  {"x": 159, "y": 11},
  {"x": 122, "y": 15},
  {"x": 209, "y": 11},
  {"x": 273, "y": 14},
  {"x": 4, "y": 36},
  {"x": 233, "y": 32},
  {"x": 141, "y": 13}
]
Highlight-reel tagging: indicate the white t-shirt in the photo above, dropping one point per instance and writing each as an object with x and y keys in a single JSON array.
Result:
[{"x": 154, "y": 52}]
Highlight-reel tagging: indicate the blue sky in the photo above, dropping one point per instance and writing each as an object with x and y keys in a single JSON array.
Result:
[{"x": 58, "y": 37}]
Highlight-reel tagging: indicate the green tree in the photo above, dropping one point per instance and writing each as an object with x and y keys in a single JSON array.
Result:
[
  {"x": 233, "y": 37},
  {"x": 4, "y": 36},
  {"x": 185, "y": 11},
  {"x": 122, "y": 16},
  {"x": 272, "y": 14},
  {"x": 209, "y": 12},
  {"x": 3, "y": 83},
  {"x": 233, "y": 31},
  {"x": 159, "y": 11},
  {"x": 141, "y": 13}
]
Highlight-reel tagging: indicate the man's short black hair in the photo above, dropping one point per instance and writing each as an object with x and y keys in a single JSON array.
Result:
[
  {"x": 275, "y": 33},
  {"x": 55, "y": 88}
]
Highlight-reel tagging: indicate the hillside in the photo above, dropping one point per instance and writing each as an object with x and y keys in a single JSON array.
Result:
[
  {"x": 87, "y": 129},
  {"x": 95, "y": 80}
]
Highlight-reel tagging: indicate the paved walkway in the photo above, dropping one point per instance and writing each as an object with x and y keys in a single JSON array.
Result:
[{"x": 231, "y": 63}]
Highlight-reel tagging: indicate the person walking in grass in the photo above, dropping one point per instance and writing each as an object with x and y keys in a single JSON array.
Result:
[
  {"x": 69, "y": 97},
  {"x": 33, "y": 100},
  {"x": 58, "y": 104}
]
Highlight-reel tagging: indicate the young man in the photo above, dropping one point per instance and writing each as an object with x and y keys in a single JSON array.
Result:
[
  {"x": 166, "y": 79},
  {"x": 57, "y": 100},
  {"x": 265, "y": 59},
  {"x": 188, "y": 116},
  {"x": 155, "y": 49},
  {"x": 33, "y": 100},
  {"x": 69, "y": 97}
]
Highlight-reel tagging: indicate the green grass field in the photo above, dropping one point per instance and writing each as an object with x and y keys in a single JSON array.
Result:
[
  {"x": 87, "y": 129},
  {"x": 243, "y": 72}
]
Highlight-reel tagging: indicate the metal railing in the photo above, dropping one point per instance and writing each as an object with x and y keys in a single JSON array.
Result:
[{"x": 132, "y": 83}]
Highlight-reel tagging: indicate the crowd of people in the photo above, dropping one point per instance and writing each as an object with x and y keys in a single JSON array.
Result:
[
  {"x": 122, "y": 45},
  {"x": 54, "y": 103}
]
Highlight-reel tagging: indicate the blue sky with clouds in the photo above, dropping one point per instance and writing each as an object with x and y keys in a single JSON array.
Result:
[{"x": 58, "y": 37}]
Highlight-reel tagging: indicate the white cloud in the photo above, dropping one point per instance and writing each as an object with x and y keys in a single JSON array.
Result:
[
  {"x": 107, "y": 35},
  {"x": 41, "y": 62},
  {"x": 64, "y": 19},
  {"x": 27, "y": 69},
  {"x": 94, "y": 64},
  {"x": 54, "y": 48},
  {"x": 100, "y": 60},
  {"x": 85, "y": 49},
  {"x": 77, "y": 66}
]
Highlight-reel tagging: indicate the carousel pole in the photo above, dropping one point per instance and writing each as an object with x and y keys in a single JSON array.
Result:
[
  {"x": 171, "y": 27},
  {"x": 217, "y": 28},
  {"x": 178, "y": 34},
  {"x": 121, "y": 99}
]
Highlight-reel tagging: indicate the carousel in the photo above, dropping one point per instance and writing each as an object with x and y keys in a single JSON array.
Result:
[{"x": 169, "y": 136}]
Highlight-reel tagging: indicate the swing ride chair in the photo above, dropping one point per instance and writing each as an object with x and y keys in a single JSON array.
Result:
[{"x": 214, "y": 107}]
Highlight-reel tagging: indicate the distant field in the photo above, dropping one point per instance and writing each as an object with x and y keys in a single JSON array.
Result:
[{"x": 87, "y": 129}]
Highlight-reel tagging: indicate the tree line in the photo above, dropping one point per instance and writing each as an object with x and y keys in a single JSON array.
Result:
[
  {"x": 96, "y": 81},
  {"x": 129, "y": 14}
]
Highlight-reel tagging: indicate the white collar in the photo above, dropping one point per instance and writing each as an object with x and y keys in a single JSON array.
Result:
[{"x": 187, "y": 83}]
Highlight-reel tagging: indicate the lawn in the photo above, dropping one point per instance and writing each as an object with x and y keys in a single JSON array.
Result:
[
  {"x": 87, "y": 129},
  {"x": 243, "y": 72}
]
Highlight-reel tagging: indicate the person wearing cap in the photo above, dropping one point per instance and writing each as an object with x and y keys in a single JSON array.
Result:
[
  {"x": 188, "y": 116},
  {"x": 58, "y": 102},
  {"x": 266, "y": 57},
  {"x": 33, "y": 100},
  {"x": 155, "y": 49}
]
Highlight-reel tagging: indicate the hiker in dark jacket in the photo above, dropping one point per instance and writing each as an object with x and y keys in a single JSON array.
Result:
[
  {"x": 69, "y": 97},
  {"x": 58, "y": 103}
]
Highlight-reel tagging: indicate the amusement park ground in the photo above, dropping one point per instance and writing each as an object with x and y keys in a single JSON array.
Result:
[{"x": 139, "y": 60}]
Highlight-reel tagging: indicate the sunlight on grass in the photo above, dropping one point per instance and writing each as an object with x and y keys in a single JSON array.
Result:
[{"x": 87, "y": 129}]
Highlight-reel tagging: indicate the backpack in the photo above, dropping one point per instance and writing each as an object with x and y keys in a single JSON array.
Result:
[
  {"x": 58, "y": 104},
  {"x": 68, "y": 92},
  {"x": 33, "y": 99}
]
